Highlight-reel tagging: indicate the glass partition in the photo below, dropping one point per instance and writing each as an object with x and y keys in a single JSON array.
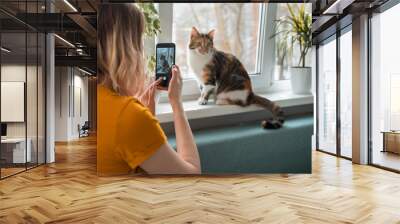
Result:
[
  {"x": 22, "y": 88},
  {"x": 14, "y": 153}
]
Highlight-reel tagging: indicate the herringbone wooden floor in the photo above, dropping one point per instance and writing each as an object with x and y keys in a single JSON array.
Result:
[{"x": 70, "y": 192}]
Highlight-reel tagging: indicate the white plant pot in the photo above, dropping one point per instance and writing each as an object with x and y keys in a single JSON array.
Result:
[{"x": 300, "y": 79}]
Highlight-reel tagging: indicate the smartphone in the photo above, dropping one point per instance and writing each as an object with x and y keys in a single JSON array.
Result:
[{"x": 165, "y": 58}]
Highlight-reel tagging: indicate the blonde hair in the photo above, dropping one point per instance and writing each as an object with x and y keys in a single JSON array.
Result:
[{"x": 120, "y": 57}]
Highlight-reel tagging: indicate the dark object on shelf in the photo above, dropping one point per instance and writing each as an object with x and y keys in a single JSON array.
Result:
[
  {"x": 84, "y": 130},
  {"x": 391, "y": 141}
]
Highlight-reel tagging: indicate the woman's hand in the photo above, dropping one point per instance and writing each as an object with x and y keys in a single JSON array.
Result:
[
  {"x": 175, "y": 87},
  {"x": 148, "y": 98}
]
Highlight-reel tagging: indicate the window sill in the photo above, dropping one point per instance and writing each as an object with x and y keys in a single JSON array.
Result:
[{"x": 195, "y": 111}]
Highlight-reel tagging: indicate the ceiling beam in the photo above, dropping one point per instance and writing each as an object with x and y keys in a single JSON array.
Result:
[
  {"x": 84, "y": 24},
  {"x": 44, "y": 22},
  {"x": 83, "y": 61},
  {"x": 337, "y": 7},
  {"x": 320, "y": 23}
]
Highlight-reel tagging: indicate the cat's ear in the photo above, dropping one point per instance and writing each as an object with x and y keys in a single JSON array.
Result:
[
  {"x": 211, "y": 34},
  {"x": 194, "y": 32}
]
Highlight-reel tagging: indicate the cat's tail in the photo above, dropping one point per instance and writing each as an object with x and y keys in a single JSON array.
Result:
[{"x": 277, "y": 113}]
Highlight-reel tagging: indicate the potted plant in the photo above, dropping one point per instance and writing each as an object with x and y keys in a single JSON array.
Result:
[
  {"x": 152, "y": 29},
  {"x": 297, "y": 30},
  {"x": 281, "y": 53}
]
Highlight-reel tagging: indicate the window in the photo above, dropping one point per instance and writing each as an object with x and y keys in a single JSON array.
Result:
[
  {"x": 281, "y": 58},
  {"x": 394, "y": 101},
  {"x": 243, "y": 29},
  {"x": 335, "y": 94},
  {"x": 346, "y": 94},
  {"x": 327, "y": 96},
  {"x": 237, "y": 28},
  {"x": 385, "y": 88}
]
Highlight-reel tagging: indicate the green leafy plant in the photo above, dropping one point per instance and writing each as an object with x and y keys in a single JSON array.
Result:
[
  {"x": 151, "y": 63},
  {"x": 282, "y": 48},
  {"x": 152, "y": 28},
  {"x": 296, "y": 28}
]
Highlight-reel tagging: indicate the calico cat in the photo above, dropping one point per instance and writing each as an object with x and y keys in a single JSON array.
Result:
[{"x": 224, "y": 76}]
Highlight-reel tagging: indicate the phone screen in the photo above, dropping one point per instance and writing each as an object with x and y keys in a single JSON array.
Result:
[{"x": 165, "y": 59}]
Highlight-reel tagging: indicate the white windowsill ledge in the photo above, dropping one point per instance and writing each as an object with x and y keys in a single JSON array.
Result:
[{"x": 194, "y": 110}]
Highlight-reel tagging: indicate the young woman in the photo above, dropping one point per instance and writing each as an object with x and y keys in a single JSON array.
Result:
[{"x": 129, "y": 136}]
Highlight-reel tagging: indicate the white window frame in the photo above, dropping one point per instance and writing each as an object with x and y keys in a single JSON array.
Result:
[{"x": 262, "y": 82}]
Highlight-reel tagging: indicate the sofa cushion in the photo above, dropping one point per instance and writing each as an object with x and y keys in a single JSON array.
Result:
[{"x": 248, "y": 148}]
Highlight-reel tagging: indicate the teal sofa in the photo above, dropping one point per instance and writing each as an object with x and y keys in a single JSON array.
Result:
[{"x": 248, "y": 148}]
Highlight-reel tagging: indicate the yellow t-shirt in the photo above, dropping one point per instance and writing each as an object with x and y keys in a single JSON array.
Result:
[{"x": 127, "y": 133}]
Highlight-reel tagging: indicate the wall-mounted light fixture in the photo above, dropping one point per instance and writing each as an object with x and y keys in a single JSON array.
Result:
[
  {"x": 65, "y": 41},
  {"x": 5, "y": 50}
]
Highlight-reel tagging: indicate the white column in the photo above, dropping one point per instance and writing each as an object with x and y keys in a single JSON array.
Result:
[
  {"x": 50, "y": 92},
  {"x": 63, "y": 102},
  {"x": 50, "y": 98},
  {"x": 360, "y": 90}
]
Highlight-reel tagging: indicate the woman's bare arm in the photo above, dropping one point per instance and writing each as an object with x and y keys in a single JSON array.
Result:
[
  {"x": 186, "y": 160},
  {"x": 166, "y": 161},
  {"x": 185, "y": 143}
]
